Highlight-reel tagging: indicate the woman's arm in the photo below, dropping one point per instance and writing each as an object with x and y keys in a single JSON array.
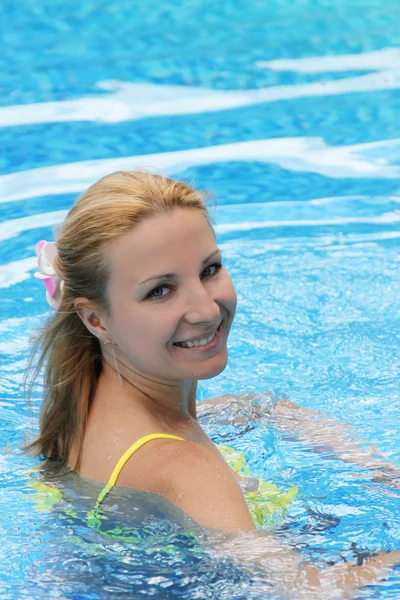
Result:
[
  {"x": 243, "y": 411},
  {"x": 333, "y": 438},
  {"x": 296, "y": 578},
  {"x": 320, "y": 434}
]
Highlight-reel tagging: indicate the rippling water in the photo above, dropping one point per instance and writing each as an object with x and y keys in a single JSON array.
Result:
[{"x": 288, "y": 112}]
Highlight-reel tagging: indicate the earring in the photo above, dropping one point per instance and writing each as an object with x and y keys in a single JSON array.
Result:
[{"x": 109, "y": 341}]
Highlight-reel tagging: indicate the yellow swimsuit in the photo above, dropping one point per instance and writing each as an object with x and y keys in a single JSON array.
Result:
[{"x": 265, "y": 504}]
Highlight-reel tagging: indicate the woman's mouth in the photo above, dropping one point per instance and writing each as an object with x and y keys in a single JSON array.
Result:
[{"x": 202, "y": 344}]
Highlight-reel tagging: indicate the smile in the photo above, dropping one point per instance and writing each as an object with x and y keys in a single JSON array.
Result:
[{"x": 201, "y": 341}]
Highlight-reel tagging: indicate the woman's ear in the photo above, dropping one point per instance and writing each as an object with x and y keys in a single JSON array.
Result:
[{"x": 92, "y": 317}]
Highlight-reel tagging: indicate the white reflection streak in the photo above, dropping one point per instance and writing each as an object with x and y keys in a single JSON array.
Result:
[
  {"x": 16, "y": 271},
  {"x": 294, "y": 154},
  {"x": 390, "y": 217},
  {"x": 10, "y": 229},
  {"x": 129, "y": 101},
  {"x": 378, "y": 60}
]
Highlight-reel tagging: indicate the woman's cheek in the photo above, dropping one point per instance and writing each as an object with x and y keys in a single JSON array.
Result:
[{"x": 230, "y": 294}]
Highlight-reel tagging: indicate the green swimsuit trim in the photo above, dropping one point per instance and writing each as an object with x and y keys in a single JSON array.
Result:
[{"x": 268, "y": 502}]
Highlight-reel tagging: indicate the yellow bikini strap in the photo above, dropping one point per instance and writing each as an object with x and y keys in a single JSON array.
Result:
[{"x": 126, "y": 455}]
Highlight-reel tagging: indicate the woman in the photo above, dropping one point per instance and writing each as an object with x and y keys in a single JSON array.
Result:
[{"x": 144, "y": 308}]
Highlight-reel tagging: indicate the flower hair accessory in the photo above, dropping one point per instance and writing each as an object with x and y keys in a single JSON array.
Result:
[{"x": 46, "y": 253}]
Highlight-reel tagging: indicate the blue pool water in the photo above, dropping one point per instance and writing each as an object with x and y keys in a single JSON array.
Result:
[{"x": 288, "y": 112}]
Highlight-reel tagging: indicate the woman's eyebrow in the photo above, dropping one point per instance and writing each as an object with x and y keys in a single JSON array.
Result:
[{"x": 171, "y": 275}]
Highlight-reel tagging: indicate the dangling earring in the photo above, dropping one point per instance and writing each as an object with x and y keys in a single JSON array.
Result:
[{"x": 109, "y": 341}]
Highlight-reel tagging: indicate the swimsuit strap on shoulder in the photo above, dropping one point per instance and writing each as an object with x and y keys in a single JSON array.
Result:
[{"x": 126, "y": 455}]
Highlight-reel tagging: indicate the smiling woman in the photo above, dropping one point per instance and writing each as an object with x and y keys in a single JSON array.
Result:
[
  {"x": 144, "y": 307},
  {"x": 159, "y": 322}
]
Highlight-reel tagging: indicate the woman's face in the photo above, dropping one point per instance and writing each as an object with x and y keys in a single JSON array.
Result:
[{"x": 166, "y": 287}]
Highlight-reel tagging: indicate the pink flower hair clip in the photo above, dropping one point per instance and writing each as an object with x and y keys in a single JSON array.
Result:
[{"x": 46, "y": 253}]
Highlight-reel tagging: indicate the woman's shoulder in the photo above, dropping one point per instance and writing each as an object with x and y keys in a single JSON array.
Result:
[{"x": 195, "y": 479}]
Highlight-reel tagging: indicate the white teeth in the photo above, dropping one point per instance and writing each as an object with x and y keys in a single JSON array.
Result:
[{"x": 201, "y": 342}]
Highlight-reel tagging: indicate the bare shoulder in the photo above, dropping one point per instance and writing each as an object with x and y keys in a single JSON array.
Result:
[{"x": 199, "y": 482}]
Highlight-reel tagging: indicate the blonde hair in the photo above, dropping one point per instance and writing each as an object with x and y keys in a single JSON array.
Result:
[{"x": 69, "y": 353}]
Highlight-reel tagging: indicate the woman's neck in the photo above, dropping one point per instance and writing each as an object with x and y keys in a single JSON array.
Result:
[{"x": 172, "y": 401}]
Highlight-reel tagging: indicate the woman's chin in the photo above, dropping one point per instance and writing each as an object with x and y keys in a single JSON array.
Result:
[{"x": 210, "y": 370}]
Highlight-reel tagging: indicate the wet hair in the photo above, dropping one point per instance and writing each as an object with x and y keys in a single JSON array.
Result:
[{"x": 68, "y": 352}]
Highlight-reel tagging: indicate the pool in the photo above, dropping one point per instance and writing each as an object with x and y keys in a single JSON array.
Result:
[{"x": 288, "y": 112}]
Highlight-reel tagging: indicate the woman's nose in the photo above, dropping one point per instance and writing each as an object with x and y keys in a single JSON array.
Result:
[{"x": 201, "y": 306}]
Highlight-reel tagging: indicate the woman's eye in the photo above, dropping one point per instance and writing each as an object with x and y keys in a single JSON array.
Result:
[
  {"x": 154, "y": 293},
  {"x": 213, "y": 268},
  {"x": 208, "y": 272}
]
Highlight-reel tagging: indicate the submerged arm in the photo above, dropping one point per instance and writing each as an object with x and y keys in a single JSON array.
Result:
[
  {"x": 332, "y": 438},
  {"x": 296, "y": 578},
  {"x": 320, "y": 434}
]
